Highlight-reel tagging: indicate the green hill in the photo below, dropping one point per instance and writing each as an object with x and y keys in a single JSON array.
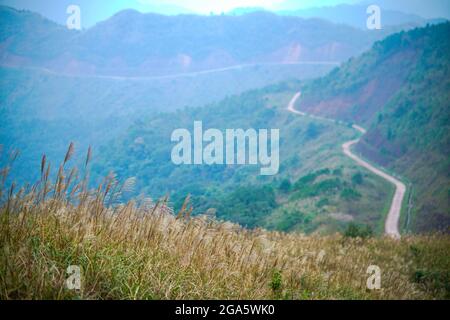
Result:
[
  {"x": 400, "y": 91},
  {"x": 41, "y": 112},
  {"x": 315, "y": 190}
]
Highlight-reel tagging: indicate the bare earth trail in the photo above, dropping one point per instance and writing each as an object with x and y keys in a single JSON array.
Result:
[{"x": 393, "y": 217}]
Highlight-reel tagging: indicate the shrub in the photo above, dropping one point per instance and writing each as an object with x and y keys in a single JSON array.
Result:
[
  {"x": 357, "y": 178},
  {"x": 285, "y": 186},
  {"x": 276, "y": 282},
  {"x": 358, "y": 231}
]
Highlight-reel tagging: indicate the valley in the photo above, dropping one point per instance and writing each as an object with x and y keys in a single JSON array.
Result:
[
  {"x": 291, "y": 150},
  {"x": 393, "y": 217},
  {"x": 132, "y": 114}
]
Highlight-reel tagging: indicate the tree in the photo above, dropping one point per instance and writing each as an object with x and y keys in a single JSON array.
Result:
[
  {"x": 357, "y": 178},
  {"x": 285, "y": 186}
]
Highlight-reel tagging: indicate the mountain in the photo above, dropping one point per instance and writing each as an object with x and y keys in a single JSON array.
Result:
[
  {"x": 28, "y": 36},
  {"x": 356, "y": 15},
  {"x": 92, "y": 12},
  {"x": 316, "y": 190},
  {"x": 50, "y": 78},
  {"x": 62, "y": 93},
  {"x": 38, "y": 106},
  {"x": 430, "y": 9},
  {"x": 135, "y": 44},
  {"x": 245, "y": 10},
  {"x": 400, "y": 91}
]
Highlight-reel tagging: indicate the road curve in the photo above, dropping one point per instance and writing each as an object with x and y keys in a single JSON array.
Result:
[
  {"x": 183, "y": 75},
  {"x": 393, "y": 217}
]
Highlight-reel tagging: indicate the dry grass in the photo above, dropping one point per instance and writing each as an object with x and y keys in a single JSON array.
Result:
[{"x": 142, "y": 251}]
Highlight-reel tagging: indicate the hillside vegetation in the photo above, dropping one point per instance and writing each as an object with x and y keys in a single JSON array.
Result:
[
  {"x": 140, "y": 250},
  {"x": 42, "y": 111},
  {"x": 315, "y": 190},
  {"x": 400, "y": 91}
]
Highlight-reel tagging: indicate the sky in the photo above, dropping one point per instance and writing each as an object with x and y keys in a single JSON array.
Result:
[
  {"x": 194, "y": 6},
  {"x": 94, "y": 11},
  {"x": 217, "y": 6}
]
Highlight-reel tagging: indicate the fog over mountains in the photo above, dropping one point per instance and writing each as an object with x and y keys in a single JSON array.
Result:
[{"x": 135, "y": 44}]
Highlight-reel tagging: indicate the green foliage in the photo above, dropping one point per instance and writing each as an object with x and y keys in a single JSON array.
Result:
[
  {"x": 438, "y": 280},
  {"x": 328, "y": 186},
  {"x": 429, "y": 271},
  {"x": 285, "y": 186},
  {"x": 310, "y": 178},
  {"x": 405, "y": 87},
  {"x": 277, "y": 281},
  {"x": 248, "y": 205},
  {"x": 350, "y": 194},
  {"x": 239, "y": 193},
  {"x": 291, "y": 219},
  {"x": 313, "y": 131},
  {"x": 357, "y": 178},
  {"x": 323, "y": 202},
  {"x": 357, "y": 231}
]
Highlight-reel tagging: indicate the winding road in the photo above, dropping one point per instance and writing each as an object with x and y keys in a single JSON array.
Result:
[
  {"x": 393, "y": 217},
  {"x": 182, "y": 75}
]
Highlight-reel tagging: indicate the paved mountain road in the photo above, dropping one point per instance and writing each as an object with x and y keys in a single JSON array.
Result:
[{"x": 393, "y": 217}]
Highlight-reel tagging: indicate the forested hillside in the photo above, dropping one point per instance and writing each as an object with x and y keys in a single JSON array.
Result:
[
  {"x": 386, "y": 90},
  {"x": 400, "y": 91},
  {"x": 317, "y": 188},
  {"x": 42, "y": 111}
]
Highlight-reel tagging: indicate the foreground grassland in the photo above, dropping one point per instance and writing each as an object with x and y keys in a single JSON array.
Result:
[{"x": 144, "y": 252}]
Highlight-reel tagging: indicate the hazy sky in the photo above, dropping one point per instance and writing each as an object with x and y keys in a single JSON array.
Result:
[
  {"x": 195, "y": 6},
  {"x": 94, "y": 11},
  {"x": 206, "y": 6}
]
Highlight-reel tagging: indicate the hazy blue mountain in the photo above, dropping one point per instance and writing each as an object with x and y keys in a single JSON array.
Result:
[
  {"x": 131, "y": 43},
  {"x": 429, "y": 9},
  {"x": 356, "y": 15},
  {"x": 28, "y": 36},
  {"x": 399, "y": 90},
  {"x": 245, "y": 10},
  {"x": 92, "y": 11}
]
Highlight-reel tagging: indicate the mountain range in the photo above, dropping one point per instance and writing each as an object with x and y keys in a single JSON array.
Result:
[
  {"x": 112, "y": 81},
  {"x": 135, "y": 44},
  {"x": 399, "y": 90},
  {"x": 356, "y": 15}
]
